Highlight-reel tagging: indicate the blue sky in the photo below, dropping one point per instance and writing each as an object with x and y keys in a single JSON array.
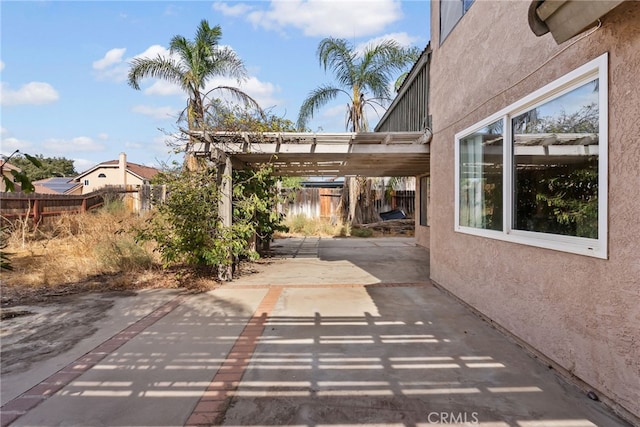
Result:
[{"x": 63, "y": 66}]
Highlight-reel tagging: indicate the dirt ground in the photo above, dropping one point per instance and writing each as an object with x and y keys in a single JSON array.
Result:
[{"x": 41, "y": 322}]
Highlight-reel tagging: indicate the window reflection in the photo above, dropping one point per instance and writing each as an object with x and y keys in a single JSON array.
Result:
[
  {"x": 555, "y": 148},
  {"x": 481, "y": 178}
]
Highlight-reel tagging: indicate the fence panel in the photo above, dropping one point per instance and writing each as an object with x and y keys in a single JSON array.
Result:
[{"x": 42, "y": 208}]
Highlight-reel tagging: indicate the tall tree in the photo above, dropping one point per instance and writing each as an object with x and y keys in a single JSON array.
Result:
[
  {"x": 48, "y": 166},
  {"x": 365, "y": 78},
  {"x": 191, "y": 65}
]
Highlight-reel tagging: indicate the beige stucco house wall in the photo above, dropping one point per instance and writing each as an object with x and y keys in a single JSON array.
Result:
[
  {"x": 581, "y": 313},
  {"x": 115, "y": 173},
  {"x": 6, "y": 171}
]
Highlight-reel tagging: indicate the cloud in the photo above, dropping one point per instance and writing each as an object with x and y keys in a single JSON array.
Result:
[
  {"x": 113, "y": 67},
  {"x": 154, "y": 51},
  {"x": 161, "y": 113},
  {"x": 80, "y": 143},
  {"x": 11, "y": 144},
  {"x": 82, "y": 165},
  {"x": 238, "y": 9},
  {"x": 403, "y": 39},
  {"x": 262, "y": 92},
  {"x": 114, "y": 56},
  {"x": 103, "y": 136},
  {"x": 319, "y": 18},
  {"x": 1, "y": 65},
  {"x": 163, "y": 88},
  {"x": 34, "y": 93}
]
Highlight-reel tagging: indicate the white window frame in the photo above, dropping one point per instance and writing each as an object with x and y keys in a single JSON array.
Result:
[{"x": 596, "y": 68}]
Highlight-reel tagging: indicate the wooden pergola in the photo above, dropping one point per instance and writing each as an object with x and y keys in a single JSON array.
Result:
[{"x": 371, "y": 154}]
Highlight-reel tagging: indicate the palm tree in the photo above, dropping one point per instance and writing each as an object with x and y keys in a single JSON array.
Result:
[
  {"x": 357, "y": 75},
  {"x": 191, "y": 64}
]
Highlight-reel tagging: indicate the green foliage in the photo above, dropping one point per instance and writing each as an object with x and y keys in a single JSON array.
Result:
[
  {"x": 559, "y": 201},
  {"x": 5, "y": 260},
  {"x": 291, "y": 182},
  {"x": 192, "y": 64},
  {"x": 186, "y": 227},
  {"x": 48, "y": 166},
  {"x": 361, "y": 232},
  {"x": 19, "y": 176},
  {"x": 256, "y": 197}
]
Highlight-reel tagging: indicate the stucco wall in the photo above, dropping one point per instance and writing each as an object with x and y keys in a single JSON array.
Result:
[
  {"x": 113, "y": 176},
  {"x": 583, "y": 313}
]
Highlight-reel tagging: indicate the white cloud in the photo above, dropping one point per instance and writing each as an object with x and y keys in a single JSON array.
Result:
[
  {"x": 103, "y": 136},
  {"x": 262, "y": 92},
  {"x": 156, "y": 112},
  {"x": 1, "y": 65},
  {"x": 163, "y": 88},
  {"x": 10, "y": 144},
  {"x": 33, "y": 93},
  {"x": 320, "y": 18},
  {"x": 80, "y": 143},
  {"x": 112, "y": 66},
  {"x": 238, "y": 9},
  {"x": 82, "y": 165},
  {"x": 403, "y": 39},
  {"x": 114, "y": 56},
  {"x": 153, "y": 52}
]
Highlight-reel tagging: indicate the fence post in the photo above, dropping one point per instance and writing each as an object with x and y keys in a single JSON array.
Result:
[
  {"x": 36, "y": 212},
  {"x": 83, "y": 207}
]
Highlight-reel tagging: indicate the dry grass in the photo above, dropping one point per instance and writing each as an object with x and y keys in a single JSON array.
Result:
[
  {"x": 75, "y": 247},
  {"x": 86, "y": 253},
  {"x": 301, "y": 225}
]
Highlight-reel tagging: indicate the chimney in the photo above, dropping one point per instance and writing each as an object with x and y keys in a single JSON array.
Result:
[{"x": 122, "y": 168}]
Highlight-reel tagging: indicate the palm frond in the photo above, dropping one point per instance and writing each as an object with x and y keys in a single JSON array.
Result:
[
  {"x": 159, "y": 68},
  {"x": 339, "y": 56},
  {"x": 225, "y": 62},
  {"x": 238, "y": 95},
  {"x": 316, "y": 99}
]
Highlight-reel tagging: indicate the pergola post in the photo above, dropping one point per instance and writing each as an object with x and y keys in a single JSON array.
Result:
[{"x": 225, "y": 207}]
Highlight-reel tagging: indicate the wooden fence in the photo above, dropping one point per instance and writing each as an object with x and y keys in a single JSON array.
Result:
[
  {"x": 325, "y": 202},
  {"x": 42, "y": 208},
  {"x": 314, "y": 203}
]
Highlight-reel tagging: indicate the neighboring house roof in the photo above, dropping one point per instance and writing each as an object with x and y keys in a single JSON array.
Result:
[
  {"x": 9, "y": 166},
  {"x": 55, "y": 185},
  {"x": 142, "y": 172}
]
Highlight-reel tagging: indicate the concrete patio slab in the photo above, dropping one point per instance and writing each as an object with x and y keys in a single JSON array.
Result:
[{"x": 352, "y": 333}]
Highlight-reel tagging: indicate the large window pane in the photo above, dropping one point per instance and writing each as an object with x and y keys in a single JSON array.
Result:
[
  {"x": 481, "y": 178},
  {"x": 555, "y": 164}
]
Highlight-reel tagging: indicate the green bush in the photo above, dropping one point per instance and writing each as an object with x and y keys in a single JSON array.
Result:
[{"x": 361, "y": 232}]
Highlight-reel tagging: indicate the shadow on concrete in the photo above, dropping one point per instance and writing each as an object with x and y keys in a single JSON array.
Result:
[
  {"x": 414, "y": 358},
  {"x": 359, "y": 260}
]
